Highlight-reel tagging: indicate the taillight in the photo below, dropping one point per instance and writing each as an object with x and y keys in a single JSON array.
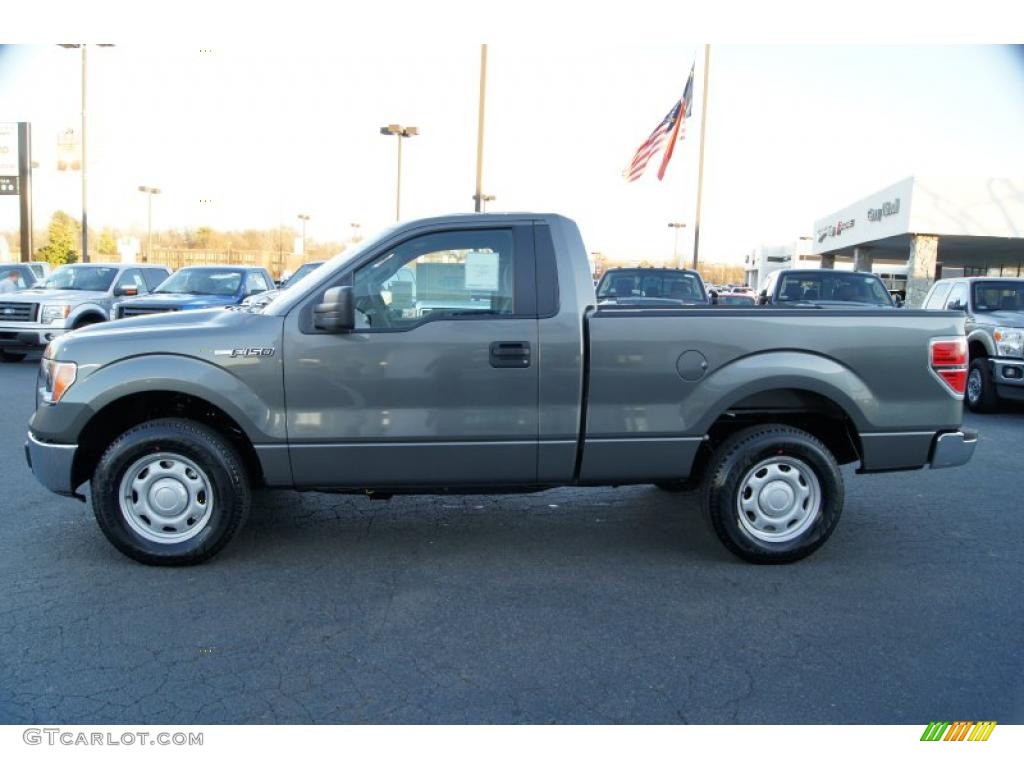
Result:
[{"x": 948, "y": 359}]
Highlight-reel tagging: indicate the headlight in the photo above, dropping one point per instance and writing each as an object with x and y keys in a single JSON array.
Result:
[
  {"x": 55, "y": 379},
  {"x": 53, "y": 312},
  {"x": 1009, "y": 342}
]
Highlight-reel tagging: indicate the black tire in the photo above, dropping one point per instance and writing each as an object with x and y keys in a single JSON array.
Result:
[
  {"x": 986, "y": 400},
  {"x": 726, "y": 485},
  {"x": 207, "y": 450},
  {"x": 12, "y": 357},
  {"x": 678, "y": 486},
  {"x": 85, "y": 322}
]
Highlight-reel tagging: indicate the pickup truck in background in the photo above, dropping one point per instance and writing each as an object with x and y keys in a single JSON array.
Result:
[
  {"x": 649, "y": 287},
  {"x": 995, "y": 335},
  {"x": 826, "y": 288},
  {"x": 199, "y": 288},
  {"x": 344, "y": 384},
  {"x": 71, "y": 297}
]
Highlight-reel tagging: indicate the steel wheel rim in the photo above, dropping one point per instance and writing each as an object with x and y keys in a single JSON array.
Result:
[
  {"x": 166, "y": 498},
  {"x": 974, "y": 385},
  {"x": 778, "y": 500}
]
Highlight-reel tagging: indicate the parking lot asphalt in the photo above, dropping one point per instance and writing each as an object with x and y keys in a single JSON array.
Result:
[{"x": 611, "y": 605}]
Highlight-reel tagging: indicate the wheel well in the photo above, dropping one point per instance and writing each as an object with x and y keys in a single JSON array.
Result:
[
  {"x": 118, "y": 417},
  {"x": 88, "y": 318},
  {"x": 809, "y": 411},
  {"x": 976, "y": 349}
]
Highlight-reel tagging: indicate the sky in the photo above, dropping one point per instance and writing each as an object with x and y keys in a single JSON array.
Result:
[{"x": 266, "y": 132}]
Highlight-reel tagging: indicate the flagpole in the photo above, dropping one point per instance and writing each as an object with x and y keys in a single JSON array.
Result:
[{"x": 700, "y": 167}]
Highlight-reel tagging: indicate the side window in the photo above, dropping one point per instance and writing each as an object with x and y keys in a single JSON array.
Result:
[
  {"x": 131, "y": 278},
  {"x": 937, "y": 299},
  {"x": 255, "y": 282},
  {"x": 154, "y": 277},
  {"x": 958, "y": 297},
  {"x": 444, "y": 274}
]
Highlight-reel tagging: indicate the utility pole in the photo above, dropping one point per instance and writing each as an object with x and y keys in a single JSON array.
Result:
[
  {"x": 479, "y": 196},
  {"x": 149, "y": 191},
  {"x": 676, "y": 225},
  {"x": 700, "y": 167},
  {"x": 25, "y": 188},
  {"x": 85, "y": 218}
]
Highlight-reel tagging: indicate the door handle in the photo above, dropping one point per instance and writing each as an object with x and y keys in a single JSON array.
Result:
[{"x": 510, "y": 354}]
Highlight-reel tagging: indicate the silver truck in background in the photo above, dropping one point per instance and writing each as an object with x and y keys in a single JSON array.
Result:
[{"x": 71, "y": 297}]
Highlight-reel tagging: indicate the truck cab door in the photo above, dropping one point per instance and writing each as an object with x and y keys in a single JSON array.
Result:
[{"x": 438, "y": 383}]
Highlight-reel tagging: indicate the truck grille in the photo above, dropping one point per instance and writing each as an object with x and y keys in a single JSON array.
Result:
[
  {"x": 138, "y": 311},
  {"x": 17, "y": 312}
]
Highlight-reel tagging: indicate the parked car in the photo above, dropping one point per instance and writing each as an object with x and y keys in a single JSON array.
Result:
[
  {"x": 825, "y": 288},
  {"x": 736, "y": 300},
  {"x": 27, "y": 277},
  {"x": 995, "y": 334},
  {"x": 172, "y": 419},
  {"x": 262, "y": 299},
  {"x": 200, "y": 288},
  {"x": 71, "y": 297},
  {"x": 651, "y": 287}
]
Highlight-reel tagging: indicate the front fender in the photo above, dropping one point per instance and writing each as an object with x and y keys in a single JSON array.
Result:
[
  {"x": 259, "y": 414},
  {"x": 984, "y": 338}
]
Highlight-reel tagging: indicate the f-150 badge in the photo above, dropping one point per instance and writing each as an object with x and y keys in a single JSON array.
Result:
[{"x": 245, "y": 352}]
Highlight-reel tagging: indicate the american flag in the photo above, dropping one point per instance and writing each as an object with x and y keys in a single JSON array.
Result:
[{"x": 666, "y": 134}]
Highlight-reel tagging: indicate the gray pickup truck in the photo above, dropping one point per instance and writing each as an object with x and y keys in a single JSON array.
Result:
[
  {"x": 995, "y": 335},
  {"x": 72, "y": 297},
  {"x": 513, "y": 381}
]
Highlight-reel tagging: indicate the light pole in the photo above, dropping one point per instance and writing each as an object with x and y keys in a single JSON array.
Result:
[
  {"x": 402, "y": 132},
  {"x": 303, "y": 217},
  {"x": 480, "y": 197},
  {"x": 356, "y": 237},
  {"x": 149, "y": 192},
  {"x": 85, "y": 219},
  {"x": 676, "y": 225}
]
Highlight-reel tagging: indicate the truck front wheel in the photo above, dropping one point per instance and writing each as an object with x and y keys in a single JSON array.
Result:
[
  {"x": 170, "y": 492},
  {"x": 773, "y": 493},
  {"x": 981, "y": 394}
]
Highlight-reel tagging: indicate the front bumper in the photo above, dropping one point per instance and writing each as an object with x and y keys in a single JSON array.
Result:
[
  {"x": 951, "y": 449},
  {"x": 1008, "y": 376},
  {"x": 33, "y": 337},
  {"x": 52, "y": 464}
]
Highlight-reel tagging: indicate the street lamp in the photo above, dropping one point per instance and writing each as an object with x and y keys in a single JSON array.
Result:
[
  {"x": 482, "y": 201},
  {"x": 356, "y": 237},
  {"x": 85, "y": 220},
  {"x": 402, "y": 132},
  {"x": 149, "y": 192},
  {"x": 303, "y": 218},
  {"x": 676, "y": 225}
]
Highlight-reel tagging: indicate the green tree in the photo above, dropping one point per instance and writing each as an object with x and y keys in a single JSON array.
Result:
[
  {"x": 63, "y": 239},
  {"x": 108, "y": 242}
]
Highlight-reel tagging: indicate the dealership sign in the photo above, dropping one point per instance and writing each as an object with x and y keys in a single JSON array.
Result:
[
  {"x": 835, "y": 230},
  {"x": 887, "y": 209}
]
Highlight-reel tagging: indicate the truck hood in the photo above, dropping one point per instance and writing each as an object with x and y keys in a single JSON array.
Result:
[
  {"x": 1005, "y": 317},
  {"x": 48, "y": 295},
  {"x": 203, "y": 334},
  {"x": 179, "y": 301}
]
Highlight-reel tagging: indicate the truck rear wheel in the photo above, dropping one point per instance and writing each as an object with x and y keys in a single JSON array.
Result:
[
  {"x": 170, "y": 492},
  {"x": 773, "y": 493}
]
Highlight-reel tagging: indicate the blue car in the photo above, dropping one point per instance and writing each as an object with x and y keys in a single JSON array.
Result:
[{"x": 199, "y": 288}]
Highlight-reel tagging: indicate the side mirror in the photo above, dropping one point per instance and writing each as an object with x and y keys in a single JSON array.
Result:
[
  {"x": 128, "y": 290},
  {"x": 337, "y": 312},
  {"x": 713, "y": 296}
]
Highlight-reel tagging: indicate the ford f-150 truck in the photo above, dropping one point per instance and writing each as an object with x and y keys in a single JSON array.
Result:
[{"x": 345, "y": 383}]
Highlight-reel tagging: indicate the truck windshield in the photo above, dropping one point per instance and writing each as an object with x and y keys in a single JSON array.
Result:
[
  {"x": 80, "y": 278},
  {"x": 652, "y": 283},
  {"x": 202, "y": 282},
  {"x": 824, "y": 286},
  {"x": 1007, "y": 296},
  {"x": 301, "y": 272}
]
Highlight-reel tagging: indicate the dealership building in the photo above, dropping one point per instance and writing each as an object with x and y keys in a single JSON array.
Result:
[{"x": 923, "y": 227}]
